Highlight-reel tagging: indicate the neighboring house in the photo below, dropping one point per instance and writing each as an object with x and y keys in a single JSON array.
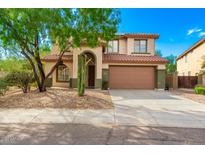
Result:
[
  {"x": 128, "y": 62},
  {"x": 189, "y": 63}
]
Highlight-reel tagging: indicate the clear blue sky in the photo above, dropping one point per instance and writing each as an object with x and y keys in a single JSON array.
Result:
[{"x": 179, "y": 29}]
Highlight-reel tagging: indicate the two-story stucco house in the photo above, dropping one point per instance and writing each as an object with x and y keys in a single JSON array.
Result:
[
  {"x": 189, "y": 63},
  {"x": 128, "y": 62}
]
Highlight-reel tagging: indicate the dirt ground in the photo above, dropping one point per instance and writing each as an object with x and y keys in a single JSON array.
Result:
[
  {"x": 190, "y": 95},
  {"x": 57, "y": 98}
]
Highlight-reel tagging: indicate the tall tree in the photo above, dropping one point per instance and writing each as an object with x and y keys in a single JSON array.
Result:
[
  {"x": 171, "y": 67},
  {"x": 171, "y": 58},
  {"x": 27, "y": 31},
  {"x": 158, "y": 53}
]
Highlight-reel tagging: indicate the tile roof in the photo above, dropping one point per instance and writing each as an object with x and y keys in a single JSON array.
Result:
[
  {"x": 115, "y": 58},
  {"x": 48, "y": 58},
  {"x": 122, "y": 58},
  {"x": 191, "y": 48},
  {"x": 138, "y": 35}
]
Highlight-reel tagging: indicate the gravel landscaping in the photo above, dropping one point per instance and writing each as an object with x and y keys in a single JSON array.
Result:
[
  {"x": 190, "y": 95},
  {"x": 57, "y": 98}
]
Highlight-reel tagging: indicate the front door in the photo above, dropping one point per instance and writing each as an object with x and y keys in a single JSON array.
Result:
[{"x": 91, "y": 76}]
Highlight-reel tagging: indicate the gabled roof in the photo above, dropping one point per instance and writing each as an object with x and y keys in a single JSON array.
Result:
[
  {"x": 191, "y": 48},
  {"x": 122, "y": 58},
  {"x": 138, "y": 35}
]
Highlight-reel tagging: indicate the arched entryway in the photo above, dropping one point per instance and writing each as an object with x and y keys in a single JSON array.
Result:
[{"x": 90, "y": 69}]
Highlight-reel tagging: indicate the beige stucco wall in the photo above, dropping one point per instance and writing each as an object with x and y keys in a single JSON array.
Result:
[
  {"x": 98, "y": 55},
  {"x": 122, "y": 46},
  {"x": 49, "y": 65},
  {"x": 130, "y": 46},
  {"x": 126, "y": 46},
  {"x": 151, "y": 46},
  {"x": 194, "y": 62},
  {"x": 159, "y": 66},
  {"x": 73, "y": 67},
  {"x": 55, "y": 51}
]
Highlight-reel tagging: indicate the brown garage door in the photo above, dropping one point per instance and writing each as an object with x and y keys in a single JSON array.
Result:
[{"x": 131, "y": 77}]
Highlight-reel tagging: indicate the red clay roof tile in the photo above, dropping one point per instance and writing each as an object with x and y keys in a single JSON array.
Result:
[
  {"x": 138, "y": 35},
  {"x": 122, "y": 58},
  {"x": 115, "y": 58}
]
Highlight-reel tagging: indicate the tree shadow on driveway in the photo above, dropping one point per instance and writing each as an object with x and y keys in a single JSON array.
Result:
[{"x": 89, "y": 134}]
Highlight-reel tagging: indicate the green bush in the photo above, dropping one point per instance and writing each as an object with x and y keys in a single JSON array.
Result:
[
  {"x": 3, "y": 87},
  {"x": 22, "y": 79},
  {"x": 199, "y": 90}
]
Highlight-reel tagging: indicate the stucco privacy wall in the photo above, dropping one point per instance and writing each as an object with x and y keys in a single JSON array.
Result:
[
  {"x": 161, "y": 74},
  {"x": 150, "y": 47},
  {"x": 203, "y": 79},
  {"x": 49, "y": 65},
  {"x": 194, "y": 62}
]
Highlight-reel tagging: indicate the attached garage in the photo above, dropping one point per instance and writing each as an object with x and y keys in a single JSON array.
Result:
[{"x": 132, "y": 77}]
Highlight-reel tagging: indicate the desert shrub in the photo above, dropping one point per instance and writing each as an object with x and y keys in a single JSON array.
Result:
[
  {"x": 199, "y": 90},
  {"x": 22, "y": 79},
  {"x": 3, "y": 87}
]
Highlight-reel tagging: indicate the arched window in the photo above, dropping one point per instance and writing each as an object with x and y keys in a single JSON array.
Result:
[{"x": 62, "y": 74}]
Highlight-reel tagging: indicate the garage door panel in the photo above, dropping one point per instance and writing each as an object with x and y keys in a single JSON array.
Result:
[{"x": 127, "y": 77}]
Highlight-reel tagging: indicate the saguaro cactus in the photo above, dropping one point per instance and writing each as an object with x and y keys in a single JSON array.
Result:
[{"x": 81, "y": 74}]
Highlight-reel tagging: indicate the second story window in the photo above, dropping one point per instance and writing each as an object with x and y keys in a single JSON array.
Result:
[
  {"x": 140, "y": 46},
  {"x": 113, "y": 46}
]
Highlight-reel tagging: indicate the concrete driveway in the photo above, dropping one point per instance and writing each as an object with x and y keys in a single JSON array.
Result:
[{"x": 156, "y": 108}]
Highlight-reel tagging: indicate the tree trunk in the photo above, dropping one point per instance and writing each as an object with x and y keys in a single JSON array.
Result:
[
  {"x": 34, "y": 71},
  {"x": 25, "y": 89},
  {"x": 38, "y": 70},
  {"x": 41, "y": 86}
]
